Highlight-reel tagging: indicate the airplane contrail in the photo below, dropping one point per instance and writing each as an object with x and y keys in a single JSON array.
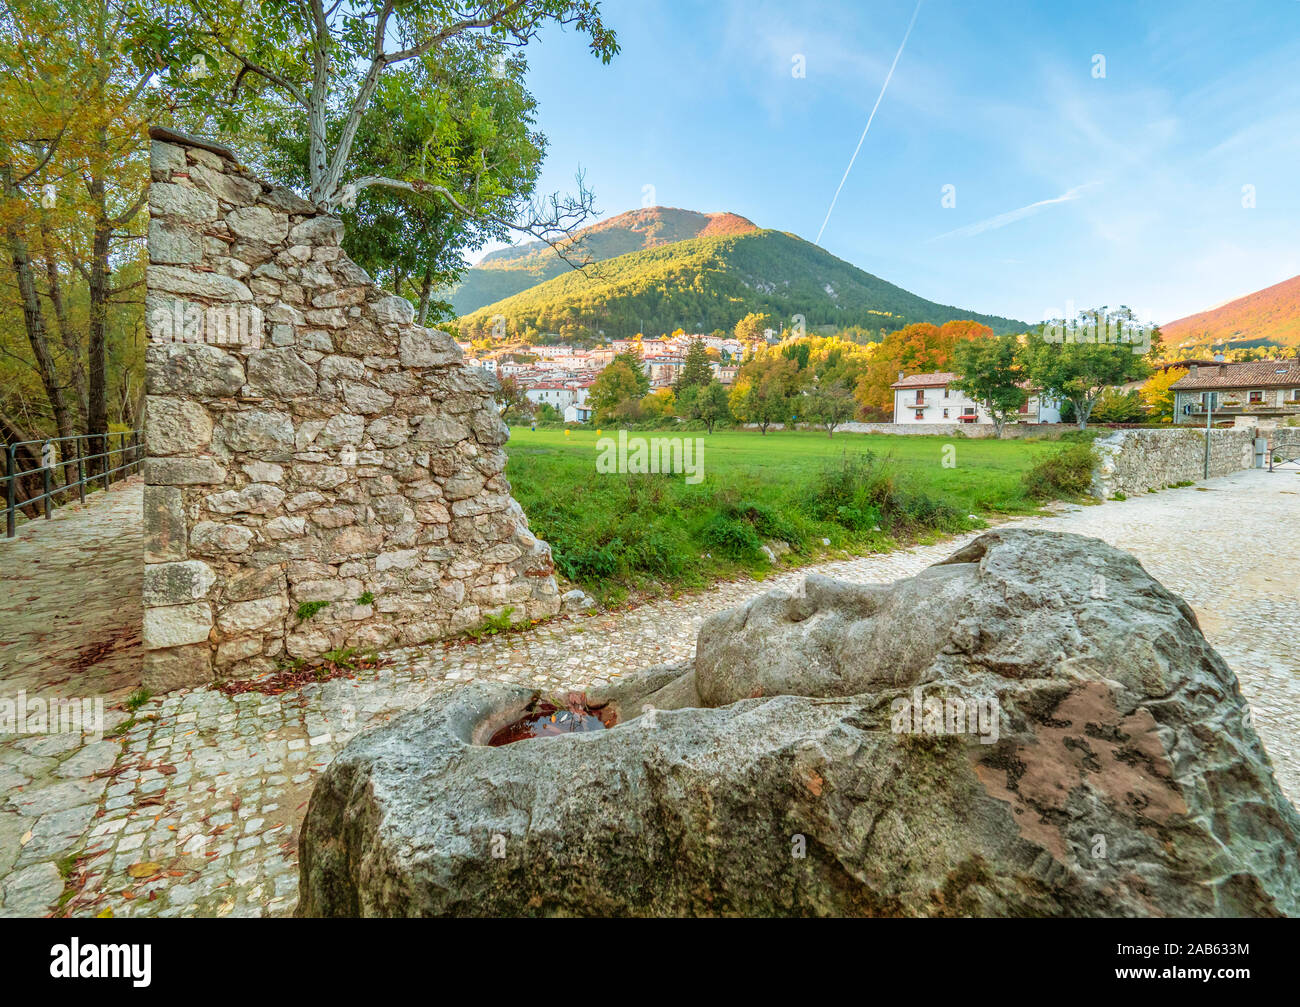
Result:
[
  {"x": 863, "y": 137},
  {"x": 1011, "y": 216}
]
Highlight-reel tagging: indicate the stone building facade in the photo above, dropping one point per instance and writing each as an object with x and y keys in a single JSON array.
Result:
[{"x": 306, "y": 443}]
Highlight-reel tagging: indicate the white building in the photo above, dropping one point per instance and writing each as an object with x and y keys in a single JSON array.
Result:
[
  {"x": 577, "y": 414},
  {"x": 554, "y": 394},
  {"x": 930, "y": 398}
]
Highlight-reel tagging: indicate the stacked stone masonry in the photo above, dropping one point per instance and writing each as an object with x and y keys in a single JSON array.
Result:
[
  {"x": 306, "y": 443},
  {"x": 1134, "y": 461}
]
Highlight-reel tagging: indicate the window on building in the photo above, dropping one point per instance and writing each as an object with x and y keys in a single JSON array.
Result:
[
  {"x": 968, "y": 411},
  {"x": 1256, "y": 398},
  {"x": 920, "y": 414},
  {"x": 920, "y": 395},
  {"x": 945, "y": 393},
  {"x": 945, "y": 414}
]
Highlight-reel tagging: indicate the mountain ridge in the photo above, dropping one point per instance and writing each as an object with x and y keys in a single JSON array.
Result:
[
  {"x": 705, "y": 283},
  {"x": 1268, "y": 315},
  {"x": 509, "y": 271}
]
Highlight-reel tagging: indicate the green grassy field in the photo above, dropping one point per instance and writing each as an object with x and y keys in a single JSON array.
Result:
[{"x": 612, "y": 533}]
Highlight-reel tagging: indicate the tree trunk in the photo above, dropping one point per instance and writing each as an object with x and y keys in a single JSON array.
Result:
[
  {"x": 71, "y": 344},
  {"x": 25, "y": 460},
  {"x": 71, "y": 347},
  {"x": 34, "y": 319},
  {"x": 426, "y": 292},
  {"x": 97, "y": 398}
]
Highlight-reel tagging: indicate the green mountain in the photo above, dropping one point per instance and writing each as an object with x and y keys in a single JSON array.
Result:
[
  {"x": 510, "y": 270},
  {"x": 708, "y": 283}
]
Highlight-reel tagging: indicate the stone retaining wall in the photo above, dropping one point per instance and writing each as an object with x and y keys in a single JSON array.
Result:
[
  {"x": 1133, "y": 461},
  {"x": 306, "y": 442}
]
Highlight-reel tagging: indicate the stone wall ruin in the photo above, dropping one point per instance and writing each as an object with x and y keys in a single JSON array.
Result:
[{"x": 306, "y": 443}]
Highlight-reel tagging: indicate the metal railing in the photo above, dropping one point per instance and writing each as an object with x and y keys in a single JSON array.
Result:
[{"x": 127, "y": 455}]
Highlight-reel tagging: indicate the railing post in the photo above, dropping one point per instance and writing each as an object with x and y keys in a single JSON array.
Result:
[
  {"x": 10, "y": 516},
  {"x": 81, "y": 471},
  {"x": 47, "y": 462}
]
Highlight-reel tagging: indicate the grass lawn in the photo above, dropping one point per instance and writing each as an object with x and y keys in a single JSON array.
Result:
[{"x": 857, "y": 493}]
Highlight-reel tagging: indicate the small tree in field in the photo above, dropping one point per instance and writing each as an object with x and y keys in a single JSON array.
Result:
[
  {"x": 763, "y": 392},
  {"x": 707, "y": 403},
  {"x": 992, "y": 375},
  {"x": 830, "y": 407}
]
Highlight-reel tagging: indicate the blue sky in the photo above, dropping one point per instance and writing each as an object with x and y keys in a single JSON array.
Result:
[{"x": 1070, "y": 189}]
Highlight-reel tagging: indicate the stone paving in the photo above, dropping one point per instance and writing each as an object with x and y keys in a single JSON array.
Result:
[{"x": 195, "y": 810}]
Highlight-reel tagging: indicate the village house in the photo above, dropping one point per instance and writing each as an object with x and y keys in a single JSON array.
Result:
[
  {"x": 1259, "y": 393},
  {"x": 663, "y": 369},
  {"x": 930, "y": 398},
  {"x": 725, "y": 373},
  {"x": 555, "y": 394}
]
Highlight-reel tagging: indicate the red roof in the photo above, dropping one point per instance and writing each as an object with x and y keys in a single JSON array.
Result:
[{"x": 935, "y": 379}]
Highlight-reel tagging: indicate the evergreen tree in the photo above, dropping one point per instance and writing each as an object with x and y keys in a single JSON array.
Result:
[{"x": 695, "y": 371}]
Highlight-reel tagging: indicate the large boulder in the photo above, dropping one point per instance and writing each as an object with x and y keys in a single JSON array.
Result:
[{"x": 1033, "y": 727}]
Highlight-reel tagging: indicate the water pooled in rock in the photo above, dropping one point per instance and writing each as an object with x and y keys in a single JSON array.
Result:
[{"x": 547, "y": 720}]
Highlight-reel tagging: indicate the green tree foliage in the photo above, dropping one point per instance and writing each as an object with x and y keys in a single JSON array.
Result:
[
  {"x": 452, "y": 120},
  {"x": 73, "y": 177},
  {"x": 764, "y": 391},
  {"x": 707, "y": 402},
  {"x": 315, "y": 67},
  {"x": 617, "y": 391},
  {"x": 695, "y": 372},
  {"x": 830, "y": 405},
  {"x": 991, "y": 374},
  {"x": 634, "y": 362},
  {"x": 1116, "y": 406},
  {"x": 1079, "y": 372}
]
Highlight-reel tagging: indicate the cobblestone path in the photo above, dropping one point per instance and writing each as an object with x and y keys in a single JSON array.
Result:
[{"x": 195, "y": 811}]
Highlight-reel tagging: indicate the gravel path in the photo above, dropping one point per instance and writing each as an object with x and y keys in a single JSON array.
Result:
[{"x": 196, "y": 810}]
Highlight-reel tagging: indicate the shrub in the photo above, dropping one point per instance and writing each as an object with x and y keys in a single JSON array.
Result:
[
  {"x": 731, "y": 537},
  {"x": 766, "y": 522},
  {"x": 588, "y": 563},
  {"x": 850, "y": 491},
  {"x": 1068, "y": 473}
]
